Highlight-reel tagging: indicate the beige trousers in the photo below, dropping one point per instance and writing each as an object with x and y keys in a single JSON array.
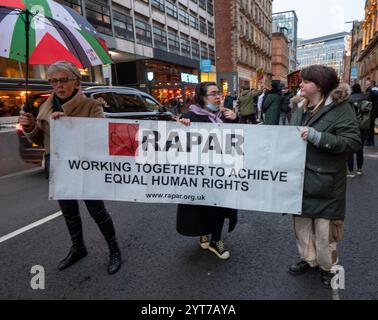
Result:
[{"x": 317, "y": 240}]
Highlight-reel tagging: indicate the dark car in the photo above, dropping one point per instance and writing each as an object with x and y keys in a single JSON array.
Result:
[{"x": 118, "y": 102}]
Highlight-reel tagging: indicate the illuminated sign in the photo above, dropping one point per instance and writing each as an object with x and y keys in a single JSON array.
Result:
[{"x": 189, "y": 78}]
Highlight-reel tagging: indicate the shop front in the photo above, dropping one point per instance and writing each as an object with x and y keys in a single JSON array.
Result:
[{"x": 172, "y": 84}]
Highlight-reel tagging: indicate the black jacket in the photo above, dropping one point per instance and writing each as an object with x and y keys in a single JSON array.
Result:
[{"x": 194, "y": 220}]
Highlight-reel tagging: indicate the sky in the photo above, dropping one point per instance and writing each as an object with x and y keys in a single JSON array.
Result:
[{"x": 322, "y": 17}]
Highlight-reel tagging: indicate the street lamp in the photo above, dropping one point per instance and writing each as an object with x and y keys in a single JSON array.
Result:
[{"x": 150, "y": 78}]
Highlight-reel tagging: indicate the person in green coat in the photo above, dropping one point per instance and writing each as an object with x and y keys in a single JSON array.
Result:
[
  {"x": 332, "y": 132},
  {"x": 272, "y": 105}
]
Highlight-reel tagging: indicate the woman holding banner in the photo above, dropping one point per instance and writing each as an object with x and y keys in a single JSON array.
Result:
[
  {"x": 331, "y": 129},
  {"x": 207, "y": 221},
  {"x": 67, "y": 99}
]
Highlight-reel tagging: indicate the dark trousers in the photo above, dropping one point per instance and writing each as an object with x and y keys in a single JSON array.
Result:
[
  {"x": 217, "y": 231},
  {"x": 97, "y": 210},
  {"x": 371, "y": 134},
  {"x": 359, "y": 154},
  {"x": 285, "y": 118},
  {"x": 250, "y": 119}
]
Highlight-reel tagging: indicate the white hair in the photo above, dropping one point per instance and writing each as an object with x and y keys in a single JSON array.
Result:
[{"x": 64, "y": 66}]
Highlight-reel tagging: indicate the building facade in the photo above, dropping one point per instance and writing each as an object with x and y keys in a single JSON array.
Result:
[
  {"x": 169, "y": 38},
  {"x": 328, "y": 50},
  {"x": 280, "y": 57},
  {"x": 289, "y": 21},
  {"x": 368, "y": 55},
  {"x": 243, "y": 44}
]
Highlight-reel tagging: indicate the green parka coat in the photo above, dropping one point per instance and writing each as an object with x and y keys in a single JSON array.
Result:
[{"x": 325, "y": 174}]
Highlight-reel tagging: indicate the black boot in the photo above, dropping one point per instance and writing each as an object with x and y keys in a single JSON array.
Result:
[
  {"x": 75, "y": 254},
  {"x": 71, "y": 215},
  {"x": 115, "y": 259},
  {"x": 105, "y": 224}
]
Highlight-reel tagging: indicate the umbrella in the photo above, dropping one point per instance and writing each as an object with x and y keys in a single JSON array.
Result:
[{"x": 44, "y": 31}]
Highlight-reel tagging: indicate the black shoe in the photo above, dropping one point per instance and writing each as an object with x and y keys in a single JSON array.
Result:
[
  {"x": 300, "y": 267},
  {"x": 326, "y": 278},
  {"x": 75, "y": 254},
  {"x": 115, "y": 262}
]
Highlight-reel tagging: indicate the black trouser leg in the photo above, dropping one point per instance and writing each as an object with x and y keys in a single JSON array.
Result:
[
  {"x": 102, "y": 218},
  {"x": 217, "y": 233},
  {"x": 70, "y": 210},
  {"x": 360, "y": 158},
  {"x": 351, "y": 162},
  {"x": 371, "y": 133}
]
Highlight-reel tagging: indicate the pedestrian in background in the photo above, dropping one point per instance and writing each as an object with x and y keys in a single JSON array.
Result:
[
  {"x": 331, "y": 130},
  {"x": 229, "y": 101},
  {"x": 272, "y": 105},
  {"x": 362, "y": 108},
  {"x": 246, "y": 107},
  {"x": 372, "y": 92},
  {"x": 285, "y": 106},
  {"x": 207, "y": 222},
  {"x": 68, "y": 100}
]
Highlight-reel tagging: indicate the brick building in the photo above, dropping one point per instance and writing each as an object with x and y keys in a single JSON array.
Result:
[
  {"x": 280, "y": 57},
  {"x": 243, "y": 43}
]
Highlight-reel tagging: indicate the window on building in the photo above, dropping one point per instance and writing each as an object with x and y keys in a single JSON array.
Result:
[
  {"x": 193, "y": 18},
  {"x": 204, "y": 51},
  {"x": 123, "y": 25},
  {"x": 210, "y": 30},
  {"x": 143, "y": 32},
  {"x": 183, "y": 15},
  {"x": 173, "y": 41},
  {"x": 202, "y": 4},
  {"x": 185, "y": 45},
  {"x": 160, "y": 38},
  {"x": 210, "y": 7},
  {"x": 158, "y": 4},
  {"x": 203, "y": 26},
  {"x": 98, "y": 14},
  {"x": 171, "y": 9},
  {"x": 74, "y": 4},
  {"x": 212, "y": 54},
  {"x": 195, "y": 49}
]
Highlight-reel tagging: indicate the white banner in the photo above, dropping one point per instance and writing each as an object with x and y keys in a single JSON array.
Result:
[{"x": 227, "y": 165}]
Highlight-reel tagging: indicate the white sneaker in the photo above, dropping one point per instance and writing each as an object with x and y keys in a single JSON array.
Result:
[
  {"x": 219, "y": 250},
  {"x": 351, "y": 175},
  {"x": 359, "y": 172},
  {"x": 204, "y": 242}
]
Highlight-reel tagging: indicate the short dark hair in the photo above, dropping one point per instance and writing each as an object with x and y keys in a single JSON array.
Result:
[
  {"x": 201, "y": 92},
  {"x": 324, "y": 77},
  {"x": 356, "y": 88}
]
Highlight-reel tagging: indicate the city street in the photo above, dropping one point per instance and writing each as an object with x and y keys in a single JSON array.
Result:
[{"x": 161, "y": 264}]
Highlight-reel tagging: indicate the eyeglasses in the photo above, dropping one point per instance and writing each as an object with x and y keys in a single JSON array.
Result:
[
  {"x": 65, "y": 80},
  {"x": 214, "y": 94}
]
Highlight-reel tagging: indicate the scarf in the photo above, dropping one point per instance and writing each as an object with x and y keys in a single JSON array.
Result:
[
  {"x": 58, "y": 103},
  {"x": 213, "y": 117}
]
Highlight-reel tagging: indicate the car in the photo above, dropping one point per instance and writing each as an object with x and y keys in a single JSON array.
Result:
[{"x": 118, "y": 102}]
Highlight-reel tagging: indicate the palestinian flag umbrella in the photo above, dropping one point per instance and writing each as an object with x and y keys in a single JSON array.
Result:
[{"x": 44, "y": 31}]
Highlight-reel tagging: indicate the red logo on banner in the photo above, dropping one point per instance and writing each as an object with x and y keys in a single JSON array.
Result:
[{"x": 123, "y": 139}]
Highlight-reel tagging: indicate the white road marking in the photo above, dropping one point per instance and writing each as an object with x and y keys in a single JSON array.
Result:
[
  {"x": 30, "y": 226},
  {"x": 22, "y": 173}
]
